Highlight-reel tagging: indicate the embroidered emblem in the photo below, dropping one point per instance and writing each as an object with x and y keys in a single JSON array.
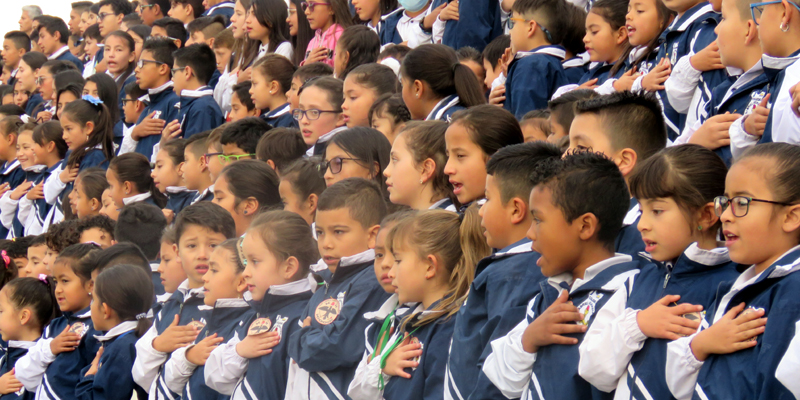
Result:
[
  {"x": 279, "y": 321},
  {"x": 673, "y": 58},
  {"x": 259, "y": 326},
  {"x": 750, "y": 310},
  {"x": 587, "y": 308},
  {"x": 415, "y": 340},
  {"x": 79, "y": 328},
  {"x": 755, "y": 99},
  {"x": 327, "y": 311},
  {"x": 199, "y": 325}
]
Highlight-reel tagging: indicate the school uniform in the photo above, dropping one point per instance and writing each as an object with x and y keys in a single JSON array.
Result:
[
  {"x": 34, "y": 212},
  {"x": 205, "y": 195},
  {"x": 212, "y": 83},
  {"x": 318, "y": 149},
  {"x": 113, "y": 377},
  {"x": 224, "y": 8},
  {"x": 445, "y": 108},
  {"x": 14, "y": 351},
  {"x": 12, "y": 80},
  {"x": 789, "y": 365},
  {"x": 478, "y": 24},
  {"x": 533, "y": 77},
  {"x": 63, "y": 54},
  {"x": 498, "y": 298},
  {"x": 11, "y": 214},
  {"x": 629, "y": 241},
  {"x": 53, "y": 376},
  {"x": 552, "y": 372},
  {"x": 56, "y": 191},
  {"x": 444, "y": 204},
  {"x": 280, "y": 117},
  {"x": 264, "y": 377},
  {"x": 748, "y": 373},
  {"x": 397, "y": 27},
  {"x": 616, "y": 355},
  {"x": 33, "y": 102},
  {"x": 12, "y": 174},
  {"x": 574, "y": 69},
  {"x": 327, "y": 352},
  {"x": 178, "y": 198},
  {"x": 162, "y": 100},
  {"x": 198, "y": 112},
  {"x": 146, "y": 198}
]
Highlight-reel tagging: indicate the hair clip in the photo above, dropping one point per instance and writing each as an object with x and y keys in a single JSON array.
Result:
[
  {"x": 44, "y": 279},
  {"x": 94, "y": 243},
  {"x": 141, "y": 316},
  {"x": 7, "y": 260},
  {"x": 93, "y": 100}
]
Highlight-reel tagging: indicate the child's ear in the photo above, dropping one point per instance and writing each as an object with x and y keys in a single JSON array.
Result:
[
  {"x": 50, "y": 147},
  {"x": 626, "y": 160},
  {"x": 139, "y": 106},
  {"x": 175, "y": 249},
  {"x": 433, "y": 266},
  {"x": 532, "y": 28},
  {"x": 210, "y": 42},
  {"x": 271, "y": 164},
  {"x": 428, "y": 169},
  {"x": 89, "y": 286},
  {"x": 107, "y": 311},
  {"x": 241, "y": 284},
  {"x": 89, "y": 127},
  {"x": 346, "y": 55},
  {"x": 706, "y": 217},
  {"x": 518, "y": 210},
  {"x": 25, "y": 316},
  {"x": 256, "y": 112},
  {"x": 419, "y": 89},
  {"x": 250, "y": 206},
  {"x": 311, "y": 203},
  {"x": 791, "y": 220},
  {"x": 127, "y": 186},
  {"x": 290, "y": 268},
  {"x": 189, "y": 72},
  {"x": 164, "y": 69},
  {"x": 96, "y": 204},
  {"x": 752, "y": 33},
  {"x": 587, "y": 225},
  {"x": 373, "y": 234},
  {"x": 621, "y": 35},
  {"x": 340, "y": 120},
  {"x": 274, "y": 87}
]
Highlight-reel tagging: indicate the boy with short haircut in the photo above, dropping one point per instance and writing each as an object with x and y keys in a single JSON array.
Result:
[
  {"x": 223, "y": 48},
  {"x": 77, "y": 9},
  {"x": 53, "y": 37},
  {"x": 303, "y": 75},
  {"x": 170, "y": 28},
  {"x": 131, "y": 105},
  {"x": 280, "y": 147},
  {"x": 537, "y": 27},
  {"x": 153, "y": 75},
  {"x": 199, "y": 229},
  {"x": 195, "y": 168},
  {"x": 194, "y": 66},
  {"x": 491, "y": 59},
  {"x": 204, "y": 30},
  {"x": 98, "y": 229},
  {"x": 327, "y": 350},
  {"x": 186, "y": 11},
  {"x": 15, "y": 45},
  {"x": 577, "y": 206},
  {"x": 111, "y": 13},
  {"x": 36, "y": 250},
  {"x": 241, "y": 138},
  {"x": 136, "y": 224},
  {"x": 219, "y": 7},
  {"x": 152, "y": 10},
  {"x": 628, "y": 128},
  {"x": 242, "y": 105},
  {"x": 504, "y": 282}
]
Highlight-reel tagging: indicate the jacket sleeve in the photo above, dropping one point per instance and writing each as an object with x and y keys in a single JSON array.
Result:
[
  {"x": 225, "y": 367},
  {"x": 178, "y": 370},
  {"x": 111, "y": 382},
  {"x": 31, "y": 367},
  {"x": 786, "y": 125},
  {"x": 53, "y": 185},
  {"x": 681, "y": 84},
  {"x": 436, "y": 362},
  {"x": 790, "y": 364},
  {"x": 148, "y": 360},
  {"x": 24, "y": 208},
  {"x": 8, "y": 209},
  {"x": 200, "y": 120},
  {"x": 682, "y": 368},
  {"x": 128, "y": 142},
  {"x": 740, "y": 139},
  {"x": 365, "y": 383}
]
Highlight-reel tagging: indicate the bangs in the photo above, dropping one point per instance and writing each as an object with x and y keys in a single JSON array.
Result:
[{"x": 653, "y": 180}]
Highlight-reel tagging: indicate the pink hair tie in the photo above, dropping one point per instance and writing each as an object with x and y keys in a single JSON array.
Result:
[
  {"x": 5, "y": 258},
  {"x": 43, "y": 278}
]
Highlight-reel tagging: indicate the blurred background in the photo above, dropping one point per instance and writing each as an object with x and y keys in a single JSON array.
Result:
[{"x": 11, "y": 10}]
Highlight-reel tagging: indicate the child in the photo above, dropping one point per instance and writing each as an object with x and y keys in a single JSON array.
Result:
[
  {"x": 109, "y": 209},
  {"x": 49, "y": 150},
  {"x": 606, "y": 40},
  {"x": 10, "y": 200},
  {"x": 388, "y": 114},
  {"x": 53, "y": 38},
  {"x": 195, "y": 171},
  {"x": 53, "y": 365},
  {"x": 271, "y": 78},
  {"x": 98, "y": 230},
  {"x": 136, "y": 224},
  {"x": 129, "y": 181},
  {"x": 58, "y": 237},
  {"x": 15, "y": 45},
  {"x": 132, "y": 107},
  {"x": 89, "y": 188},
  {"x": 280, "y": 147},
  {"x": 170, "y": 272},
  {"x": 535, "y": 125},
  {"x": 676, "y": 189},
  {"x": 17, "y": 249},
  {"x": 324, "y": 363},
  {"x": 300, "y": 188},
  {"x": 167, "y": 177},
  {"x": 186, "y": 10},
  {"x": 205, "y": 29},
  {"x": 301, "y": 76},
  {"x": 245, "y": 189},
  {"x": 536, "y": 27},
  {"x": 419, "y": 154},
  {"x": 91, "y": 38},
  {"x": 357, "y": 152},
  {"x": 266, "y": 24},
  {"x": 358, "y": 45},
  {"x": 739, "y": 331},
  {"x": 12, "y": 174},
  {"x": 300, "y": 32},
  {"x": 472, "y": 137},
  {"x": 198, "y": 230},
  {"x": 562, "y": 112},
  {"x": 319, "y": 113},
  {"x": 574, "y": 31},
  {"x": 257, "y": 364},
  {"x": 27, "y": 73},
  {"x": 172, "y": 29},
  {"x": 584, "y": 272},
  {"x": 242, "y": 105},
  {"x": 21, "y": 95},
  {"x": 211, "y": 159},
  {"x": 36, "y": 251},
  {"x": 605, "y": 125},
  {"x": 436, "y": 85},
  {"x": 153, "y": 74},
  {"x": 194, "y": 66},
  {"x": 363, "y": 85},
  {"x": 30, "y": 305},
  {"x": 328, "y": 21},
  {"x": 222, "y": 8},
  {"x": 122, "y": 296},
  {"x": 7, "y": 93}
]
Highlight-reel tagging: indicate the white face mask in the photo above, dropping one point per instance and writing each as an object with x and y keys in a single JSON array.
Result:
[{"x": 413, "y": 5}]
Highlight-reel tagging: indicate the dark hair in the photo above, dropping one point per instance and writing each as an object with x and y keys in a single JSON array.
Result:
[
  {"x": 630, "y": 120},
  {"x": 272, "y": 14},
  {"x": 18, "y": 247},
  {"x": 665, "y": 17},
  {"x": 74, "y": 255},
  {"x": 82, "y": 112},
  {"x": 34, "y": 59},
  {"x": 552, "y": 14},
  {"x": 127, "y": 39},
  {"x": 363, "y": 199},
  {"x": 136, "y": 224},
  {"x": 120, "y": 253},
  {"x": 539, "y": 119},
  {"x": 38, "y": 240},
  {"x": 396, "y": 51},
  {"x": 495, "y": 49},
  {"x": 62, "y": 235},
  {"x": 237, "y": 258},
  {"x": 275, "y": 67},
  {"x": 81, "y": 6},
  {"x": 511, "y": 167},
  {"x": 197, "y": 6},
  {"x": 438, "y": 66},
  {"x": 286, "y": 234},
  {"x": 174, "y": 29},
  {"x": 197, "y": 144},
  {"x": 362, "y": 45},
  {"x": 376, "y": 77},
  {"x": 562, "y": 108},
  {"x": 95, "y": 9},
  {"x": 575, "y": 30},
  {"x": 304, "y": 35},
  {"x": 141, "y": 30},
  {"x": 98, "y": 221},
  {"x": 108, "y": 92},
  {"x": 200, "y": 58},
  {"x": 118, "y": 6},
  {"x": 132, "y": 19},
  {"x": 174, "y": 149},
  {"x": 54, "y": 25},
  {"x": 490, "y": 127},
  {"x": 8, "y": 271},
  {"x": 11, "y": 110},
  {"x": 69, "y": 81},
  {"x": 245, "y": 133},
  {"x": 161, "y": 49},
  {"x": 164, "y": 5},
  {"x": 51, "y": 131},
  {"x": 20, "y": 39},
  {"x": 281, "y": 145},
  {"x": 129, "y": 292},
  {"x": 245, "y": 50},
  {"x": 254, "y": 179},
  {"x": 135, "y": 168},
  {"x": 332, "y": 86},
  {"x": 207, "y": 215},
  {"x": 369, "y": 147},
  {"x": 390, "y": 105},
  {"x": 93, "y": 182},
  {"x": 37, "y": 294},
  {"x": 313, "y": 70},
  {"x": 341, "y": 13},
  {"x": 242, "y": 92},
  {"x": 468, "y": 53},
  {"x": 57, "y": 66},
  {"x": 6, "y": 90},
  {"x": 305, "y": 177},
  {"x": 93, "y": 32},
  {"x": 200, "y": 25},
  {"x": 783, "y": 178},
  {"x": 614, "y": 13},
  {"x": 8, "y": 125},
  {"x": 75, "y": 89},
  {"x": 425, "y": 140},
  {"x": 132, "y": 89}
]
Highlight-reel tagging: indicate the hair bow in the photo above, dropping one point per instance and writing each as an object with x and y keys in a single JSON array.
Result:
[
  {"x": 91, "y": 99},
  {"x": 7, "y": 260},
  {"x": 43, "y": 278}
]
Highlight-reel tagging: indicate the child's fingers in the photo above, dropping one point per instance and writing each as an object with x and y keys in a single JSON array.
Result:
[
  {"x": 685, "y": 309},
  {"x": 749, "y": 335},
  {"x": 558, "y": 339},
  {"x": 682, "y": 330}
]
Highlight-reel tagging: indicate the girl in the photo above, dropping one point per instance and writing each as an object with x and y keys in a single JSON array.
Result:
[
  {"x": 433, "y": 269},
  {"x": 122, "y": 296},
  {"x": 169, "y": 269},
  {"x": 65, "y": 95},
  {"x": 49, "y": 149},
  {"x": 278, "y": 251},
  {"x": 27, "y": 73},
  {"x": 139, "y": 33},
  {"x": 129, "y": 181},
  {"x": 363, "y": 85},
  {"x": 606, "y": 40},
  {"x": 9, "y": 204},
  {"x": 253, "y": 190},
  {"x": 371, "y": 12},
  {"x": 435, "y": 84},
  {"x": 224, "y": 286},
  {"x": 645, "y": 21},
  {"x": 272, "y": 77},
  {"x": 389, "y": 115},
  {"x": 328, "y": 20},
  {"x": 266, "y": 24},
  {"x": 357, "y": 153},
  {"x": 759, "y": 230},
  {"x": 358, "y": 45},
  {"x": 52, "y": 368},
  {"x": 676, "y": 190},
  {"x": 27, "y": 306},
  {"x": 472, "y": 137},
  {"x": 245, "y": 49},
  {"x": 21, "y": 95},
  {"x": 319, "y": 112},
  {"x": 103, "y": 87},
  {"x": 89, "y": 188},
  {"x": 419, "y": 154},
  {"x": 167, "y": 177},
  {"x": 300, "y": 187},
  {"x": 299, "y": 30},
  {"x": 120, "y": 55},
  {"x": 109, "y": 208}
]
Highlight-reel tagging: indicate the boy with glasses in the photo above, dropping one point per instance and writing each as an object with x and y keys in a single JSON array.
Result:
[
  {"x": 153, "y": 10},
  {"x": 240, "y": 139},
  {"x": 111, "y": 14}
]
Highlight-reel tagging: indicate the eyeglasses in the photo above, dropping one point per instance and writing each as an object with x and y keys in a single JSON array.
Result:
[
  {"x": 143, "y": 6},
  {"x": 176, "y": 70},
  {"x": 40, "y": 80},
  {"x": 103, "y": 16},
  {"x": 292, "y": 11},
  {"x": 335, "y": 164},
  {"x": 311, "y": 114},
  {"x": 223, "y": 159},
  {"x": 756, "y": 9},
  {"x": 741, "y": 204},
  {"x": 140, "y": 64},
  {"x": 126, "y": 101},
  {"x": 309, "y": 5},
  {"x": 511, "y": 21},
  {"x": 208, "y": 156}
]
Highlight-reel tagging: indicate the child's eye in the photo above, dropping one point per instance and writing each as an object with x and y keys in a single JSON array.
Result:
[{"x": 338, "y": 231}]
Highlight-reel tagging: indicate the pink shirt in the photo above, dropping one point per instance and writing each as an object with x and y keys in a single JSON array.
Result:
[{"x": 325, "y": 39}]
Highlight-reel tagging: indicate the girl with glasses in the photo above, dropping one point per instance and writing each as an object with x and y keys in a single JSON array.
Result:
[
  {"x": 328, "y": 18},
  {"x": 319, "y": 112},
  {"x": 358, "y": 153}
]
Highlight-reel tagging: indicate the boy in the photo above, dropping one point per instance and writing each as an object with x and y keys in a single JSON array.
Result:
[
  {"x": 170, "y": 28},
  {"x": 628, "y": 128},
  {"x": 204, "y": 30},
  {"x": 111, "y": 14},
  {"x": 186, "y": 11},
  {"x": 562, "y": 112},
  {"x": 195, "y": 168},
  {"x": 136, "y": 224},
  {"x": 505, "y": 282},
  {"x": 15, "y": 45},
  {"x": 98, "y": 229},
  {"x": 491, "y": 59},
  {"x": 216, "y": 7},
  {"x": 153, "y": 74},
  {"x": 537, "y": 26},
  {"x": 194, "y": 66},
  {"x": 199, "y": 229},
  {"x": 281, "y": 147},
  {"x": 241, "y": 103},
  {"x": 152, "y": 10},
  {"x": 240, "y": 139},
  {"x": 326, "y": 351},
  {"x": 132, "y": 109},
  {"x": 53, "y": 37},
  {"x": 278, "y": 112},
  {"x": 36, "y": 250},
  {"x": 577, "y": 206},
  {"x": 223, "y": 48}
]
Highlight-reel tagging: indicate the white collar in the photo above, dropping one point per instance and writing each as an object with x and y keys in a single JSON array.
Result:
[
  {"x": 161, "y": 88},
  {"x": 359, "y": 258},
  {"x": 199, "y": 92},
  {"x": 291, "y": 288},
  {"x": 691, "y": 19},
  {"x": 573, "y": 62},
  {"x": 154, "y": 267},
  {"x": 20, "y": 344},
  {"x": 176, "y": 189},
  {"x": 225, "y": 4},
  {"x": 279, "y": 111},
  {"x": 10, "y": 167},
  {"x": 58, "y": 53},
  {"x": 715, "y": 256},
  {"x": 123, "y": 327},
  {"x": 203, "y": 194},
  {"x": 136, "y": 198},
  {"x": 386, "y": 308},
  {"x": 438, "y": 203},
  {"x": 631, "y": 216},
  {"x": 87, "y": 314},
  {"x": 184, "y": 288},
  {"x": 546, "y": 49},
  {"x": 520, "y": 248},
  {"x": 230, "y": 303},
  {"x": 441, "y": 108},
  {"x": 590, "y": 272},
  {"x": 163, "y": 297},
  {"x": 771, "y": 62},
  {"x": 324, "y": 138}
]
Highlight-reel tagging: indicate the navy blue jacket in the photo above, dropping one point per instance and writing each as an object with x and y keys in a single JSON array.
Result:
[
  {"x": 113, "y": 380},
  {"x": 40, "y": 206},
  {"x": 280, "y": 117},
  {"x": 629, "y": 241},
  {"x": 574, "y": 69},
  {"x": 198, "y": 112},
  {"x": 602, "y": 72},
  {"x": 478, "y": 24},
  {"x": 33, "y": 101},
  {"x": 224, "y": 8},
  {"x": 93, "y": 158},
  {"x": 164, "y": 105},
  {"x": 388, "y": 27},
  {"x": 206, "y": 195},
  {"x": 13, "y": 352},
  {"x": 67, "y": 56},
  {"x": 533, "y": 77},
  {"x": 775, "y": 69},
  {"x": 18, "y": 227},
  {"x": 180, "y": 200},
  {"x": 445, "y": 109},
  {"x": 13, "y": 174}
]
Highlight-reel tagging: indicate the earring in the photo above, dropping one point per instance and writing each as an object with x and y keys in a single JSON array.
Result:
[
  {"x": 245, "y": 212},
  {"x": 784, "y": 27},
  {"x": 417, "y": 95},
  {"x": 700, "y": 227}
]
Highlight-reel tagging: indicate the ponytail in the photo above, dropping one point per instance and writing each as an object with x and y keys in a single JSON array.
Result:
[
  {"x": 9, "y": 270},
  {"x": 94, "y": 111},
  {"x": 438, "y": 66},
  {"x": 128, "y": 290},
  {"x": 37, "y": 293},
  {"x": 135, "y": 168}
]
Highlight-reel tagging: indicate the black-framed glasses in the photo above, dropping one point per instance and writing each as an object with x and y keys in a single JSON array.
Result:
[
  {"x": 310, "y": 5},
  {"x": 140, "y": 64},
  {"x": 312, "y": 114},
  {"x": 741, "y": 204},
  {"x": 208, "y": 156},
  {"x": 511, "y": 21},
  {"x": 126, "y": 101},
  {"x": 176, "y": 70},
  {"x": 335, "y": 164}
]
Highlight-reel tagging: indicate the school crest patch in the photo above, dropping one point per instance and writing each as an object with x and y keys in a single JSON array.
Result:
[
  {"x": 755, "y": 100},
  {"x": 198, "y": 325},
  {"x": 279, "y": 322},
  {"x": 415, "y": 340},
  {"x": 259, "y": 326},
  {"x": 587, "y": 307},
  {"x": 750, "y": 310},
  {"x": 673, "y": 58},
  {"x": 327, "y": 311},
  {"x": 79, "y": 328}
]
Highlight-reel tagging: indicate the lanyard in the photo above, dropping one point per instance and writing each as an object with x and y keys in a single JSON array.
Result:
[
  {"x": 385, "y": 333},
  {"x": 388, "y": 351}
]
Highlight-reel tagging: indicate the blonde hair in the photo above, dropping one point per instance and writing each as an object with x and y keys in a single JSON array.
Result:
[{"x": 457, "y": 242}]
